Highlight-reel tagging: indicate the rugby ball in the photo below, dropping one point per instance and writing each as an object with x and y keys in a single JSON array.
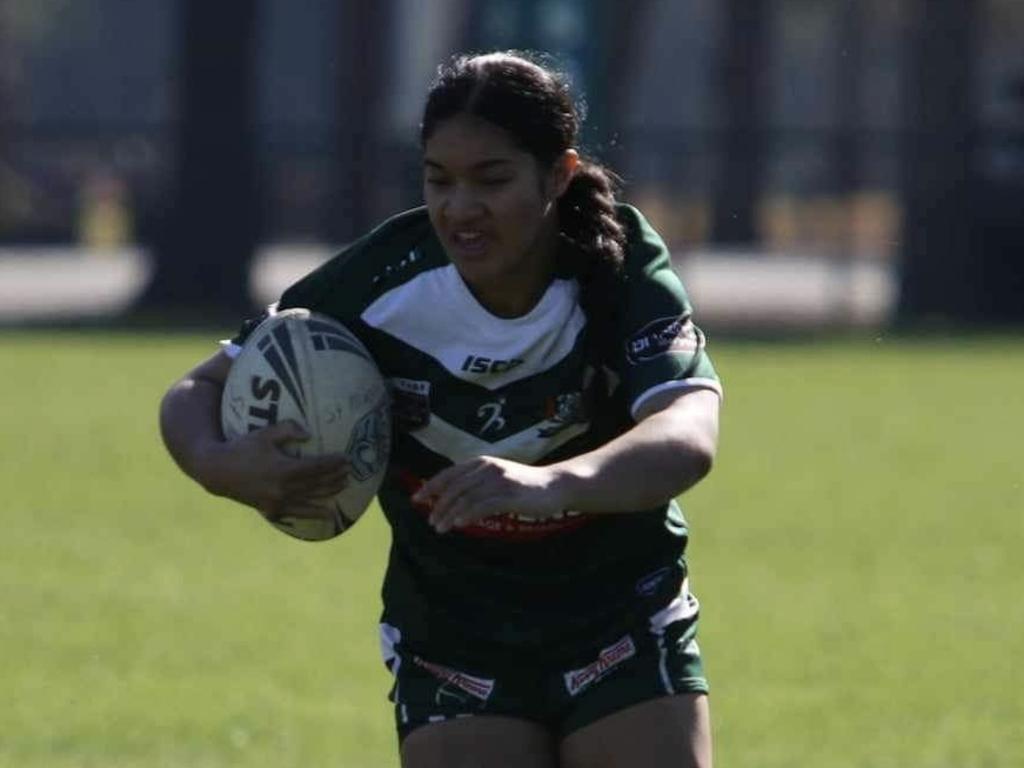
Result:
[{"x": 308, "y": 367}]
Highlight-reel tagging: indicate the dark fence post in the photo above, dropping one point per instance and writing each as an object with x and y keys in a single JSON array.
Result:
[
  {"x": 207, "y": 237},
  {"x": 364, "y": 69},
  {"x": 740, "y": 84},
  {"x": 938, "y": 145}
]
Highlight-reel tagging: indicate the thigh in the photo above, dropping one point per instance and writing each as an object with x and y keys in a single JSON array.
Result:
[
  {"x": 487, "y": 741},
  {"x": 668, "y": 732}
]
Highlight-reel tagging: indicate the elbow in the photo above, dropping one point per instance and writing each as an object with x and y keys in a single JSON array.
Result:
[
  {"x": 166, "y": 410},
  {"x": 692, "y": 427},
  {"x": 702, "y": 459},
  {"x": 697, "y": 456}
]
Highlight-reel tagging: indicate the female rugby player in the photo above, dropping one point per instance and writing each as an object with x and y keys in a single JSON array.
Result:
[{"x": 552, "y": 397}]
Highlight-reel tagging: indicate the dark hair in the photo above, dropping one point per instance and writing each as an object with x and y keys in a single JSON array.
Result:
[{"x": 534, "y": 104}]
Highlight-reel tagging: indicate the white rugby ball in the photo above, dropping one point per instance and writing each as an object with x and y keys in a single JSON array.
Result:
[{"x": 308, "y": 367}]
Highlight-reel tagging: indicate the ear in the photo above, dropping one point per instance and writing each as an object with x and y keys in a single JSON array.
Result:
[{"x": 562, "y": 171}]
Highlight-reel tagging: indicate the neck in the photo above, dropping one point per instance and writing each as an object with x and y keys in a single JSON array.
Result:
[
  {"x": 516, "y": 293},
  {"x": 514, "y": 297}
]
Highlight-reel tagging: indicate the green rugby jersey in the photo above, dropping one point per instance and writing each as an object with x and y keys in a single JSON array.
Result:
[{"x": 535, "y": 389}]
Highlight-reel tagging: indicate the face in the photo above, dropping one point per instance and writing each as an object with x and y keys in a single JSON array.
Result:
[{"x": 493, "y": 207}]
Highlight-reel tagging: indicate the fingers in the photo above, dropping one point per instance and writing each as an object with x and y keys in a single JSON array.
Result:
[
  {"x": 432, "y": 490},
  {"x": 448, "y": 486},
  {"x": 312, "y": 468},
  {"x": 305, "y": 511},
  {"x": 321, "y": 488},
  {"x": 485, "y": 487},
  {"x": 463, "y": 493},
  {"x": 285, "y": 432},
  {"x": 304, "y": 478},
  {"x": 475, "y": 504}
]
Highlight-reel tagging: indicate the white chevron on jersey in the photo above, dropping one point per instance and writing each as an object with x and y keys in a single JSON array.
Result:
[
  {"x": 470, "y": 342},
  {"x": 527, "y": 446}
]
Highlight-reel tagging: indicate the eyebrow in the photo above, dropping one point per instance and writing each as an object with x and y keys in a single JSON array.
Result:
[{"x": 483, "y": 165}]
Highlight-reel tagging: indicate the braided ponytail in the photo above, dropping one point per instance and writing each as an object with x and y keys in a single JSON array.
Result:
[{"x": 586, "y": 214}]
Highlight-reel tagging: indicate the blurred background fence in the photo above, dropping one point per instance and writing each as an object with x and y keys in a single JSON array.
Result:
[{"x": 811, "y": 162}]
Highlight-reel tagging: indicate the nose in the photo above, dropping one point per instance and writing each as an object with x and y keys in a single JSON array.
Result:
[{"x": 461, "y": 204}]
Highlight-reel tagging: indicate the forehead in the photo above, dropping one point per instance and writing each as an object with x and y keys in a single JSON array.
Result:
[{"x": 465, "y": 140}]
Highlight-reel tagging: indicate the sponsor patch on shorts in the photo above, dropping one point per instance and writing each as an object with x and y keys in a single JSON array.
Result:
[
  {"x": 577, "y": 680},
  {"x": 477, "y": 687}
]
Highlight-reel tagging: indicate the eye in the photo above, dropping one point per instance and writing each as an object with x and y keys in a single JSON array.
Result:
[
  {"x": 437, "y": 181},
  {"x": 495, "y": 181}
]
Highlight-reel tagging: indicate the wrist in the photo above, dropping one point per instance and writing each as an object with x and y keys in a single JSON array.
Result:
[{"x": 569, "y": 485}]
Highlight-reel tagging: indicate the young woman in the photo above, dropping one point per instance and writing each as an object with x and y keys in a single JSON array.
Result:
[{"x": 552, "y": 397}]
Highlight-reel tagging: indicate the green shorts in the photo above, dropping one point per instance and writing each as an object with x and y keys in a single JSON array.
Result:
[{"x": 660, "y": 658}]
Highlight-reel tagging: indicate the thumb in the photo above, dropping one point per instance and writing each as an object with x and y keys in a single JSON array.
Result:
[{"x": 286, "y": 432}]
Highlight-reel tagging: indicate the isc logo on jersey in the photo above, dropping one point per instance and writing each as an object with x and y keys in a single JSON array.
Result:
[{"x": 479, "y": 364}]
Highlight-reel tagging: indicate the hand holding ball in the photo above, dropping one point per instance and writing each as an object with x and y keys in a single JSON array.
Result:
[{"x": 308, "y": 368}]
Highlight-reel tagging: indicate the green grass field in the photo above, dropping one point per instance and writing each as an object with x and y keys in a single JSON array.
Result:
[{"x": 857, "y": 552}]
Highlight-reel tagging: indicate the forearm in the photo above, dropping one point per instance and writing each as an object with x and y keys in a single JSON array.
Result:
[
  {"x": 661, "y": 457},
  {"x": 189, "y": 423}
]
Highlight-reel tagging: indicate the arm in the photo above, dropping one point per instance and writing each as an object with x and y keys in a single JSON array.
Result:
[
  {"x": 669, "y": 450},
  {"x": 253, "y": 469}
]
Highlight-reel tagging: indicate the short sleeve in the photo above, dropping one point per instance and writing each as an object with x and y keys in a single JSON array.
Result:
[
  {"x": 232, "y": 347},
  {"x": 345, "y": 284},
  {"x": 662, "y": 347}
]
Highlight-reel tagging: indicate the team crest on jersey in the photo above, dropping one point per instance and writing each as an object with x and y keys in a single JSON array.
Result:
[
  {"x": 563, "y": 411},
  {"x": 410, "y": 403},
  {"x": 662, "y": 336},
  {"x": 570, "y": 408}
]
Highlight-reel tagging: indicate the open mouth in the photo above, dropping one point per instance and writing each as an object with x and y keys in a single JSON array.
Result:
[{"x": 469, "y": 242}]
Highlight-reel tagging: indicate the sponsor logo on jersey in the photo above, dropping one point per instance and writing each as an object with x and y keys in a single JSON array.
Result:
[
  {"x": 491, "y": 413},
  {"x": 507, "y": 527},
  {"x": 515, "y": 527},
  {"x": 662, "y": 336},
  {"x": 478, "y": 687},
  {"x": 480, "y": 364},
  {"x": 410, "y": 403},
  {"x": 579, "y": 679}
]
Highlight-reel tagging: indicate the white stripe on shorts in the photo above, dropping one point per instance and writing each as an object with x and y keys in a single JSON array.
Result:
[
  {"x": 390, "y": 636},
  {"x": 663, "y": 666},
  {"x": 684, "y": 606}
]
